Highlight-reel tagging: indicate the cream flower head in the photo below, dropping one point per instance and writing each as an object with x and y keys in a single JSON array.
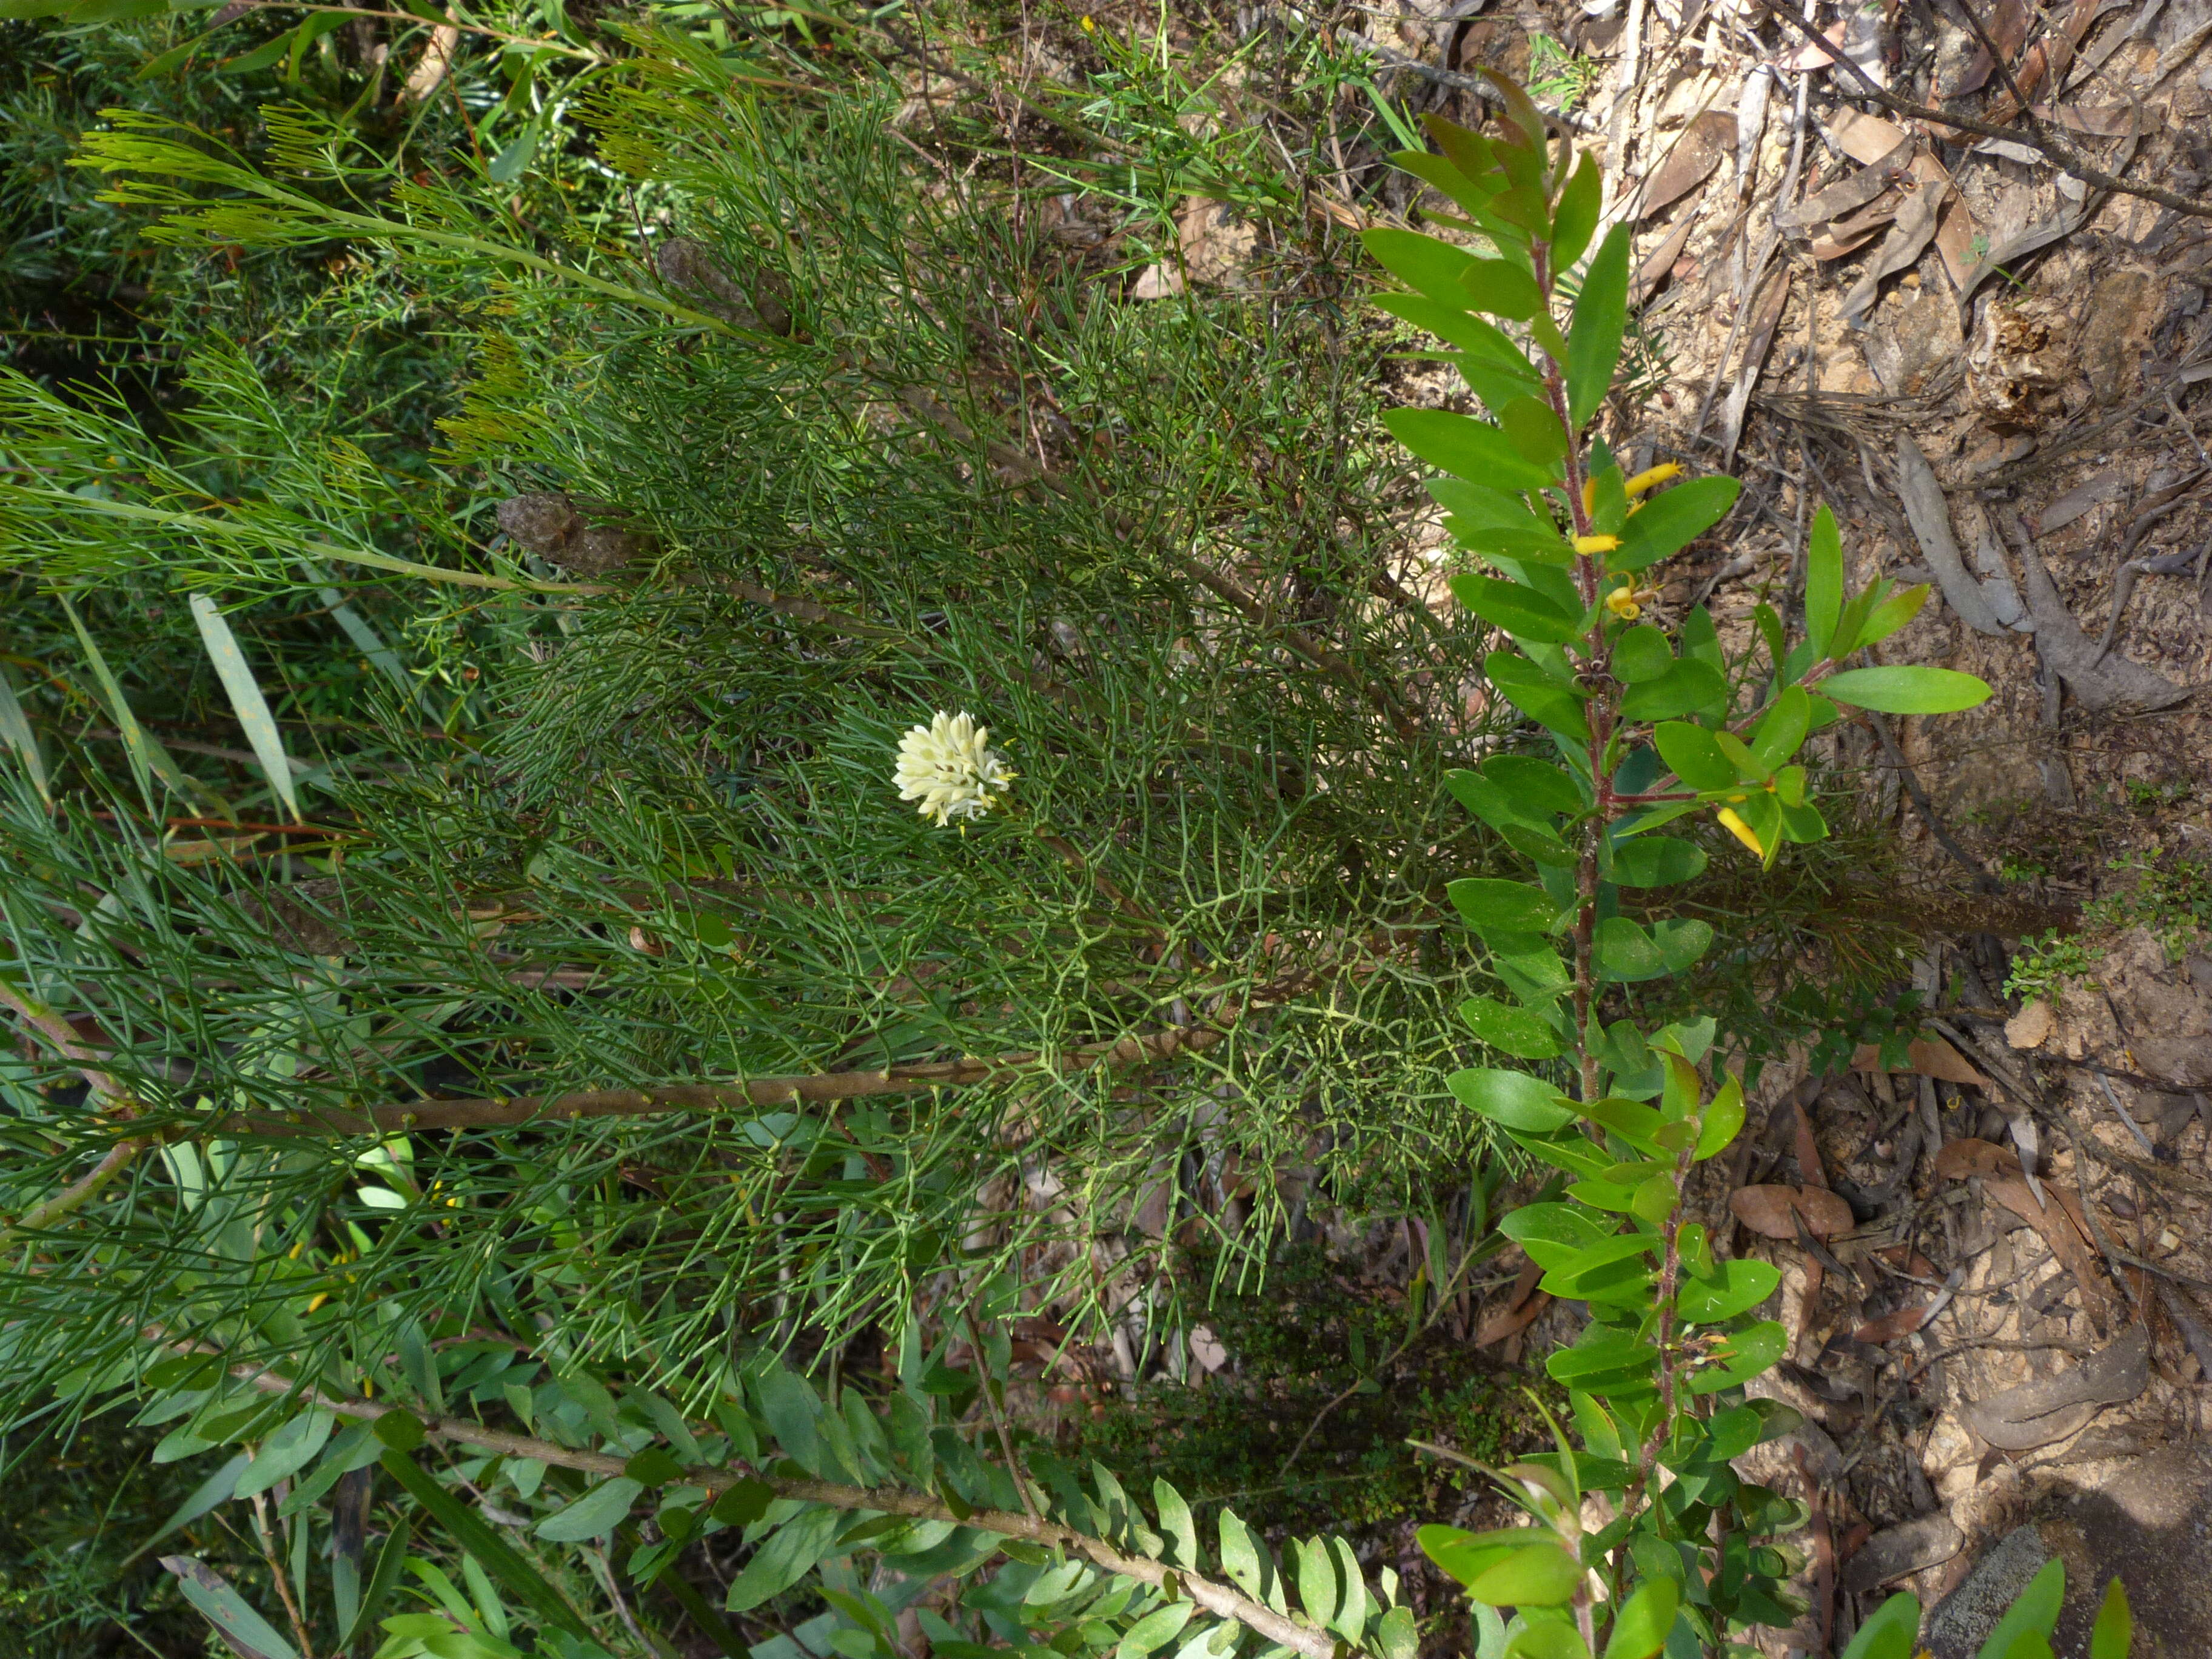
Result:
[{"x": 949, "y": 768}]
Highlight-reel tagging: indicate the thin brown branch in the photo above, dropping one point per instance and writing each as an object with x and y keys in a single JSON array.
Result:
[
  {"x": 817, "y": 1088},
  {"x": 1218, "y": 1598},
  {"x": 2059, "y": 151}
]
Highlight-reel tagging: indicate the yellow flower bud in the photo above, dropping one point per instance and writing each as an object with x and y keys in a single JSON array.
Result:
[
  {"x": 1737, "y": 827},
  {"x": 1590, "y": 497},
  {"x": 1596, "y": 544},
  {"x": 1655, "y": 475}
]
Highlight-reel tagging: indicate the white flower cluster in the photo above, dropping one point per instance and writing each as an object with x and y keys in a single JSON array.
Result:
[{"x": 948, "y": 766}]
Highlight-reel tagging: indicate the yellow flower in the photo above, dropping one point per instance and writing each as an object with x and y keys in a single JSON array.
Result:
[
  {"x": 1737, "y": 827},
  {"x": 1089, "y": 28},
  {"x": 1596, "y": 544},
  {"x": 1622, "y": 602},
  {"x": 1646, "y": 480},
  {"x": 1589, "y": 498}
]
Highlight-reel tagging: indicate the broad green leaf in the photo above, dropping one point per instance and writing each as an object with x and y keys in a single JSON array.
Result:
[
  {"x": 1889, "y": 1634},
  {"x": 1669, "y": 521},
  {"x": 1692, "y": 755},
  {"x": 1824, "y": 581},
  {"x": 1535, "y": 694},
  {"x": 243, "y": 1630},
  {"x": 1602, "y": 1364},
  {"x": 1626, "y": 952},
  {"x": 2115, "y": 1624},
  {"x": 1513, "y": 1098},
  {"x": 1516, "y": 607},
  {"x": 1631, "y": 1120},
  {"x": 1642, "y": 654},
  {"x": 1539, "y": 783},
  {"x": 1426, "y": 263},
  {"x": 2034, "y": 1610},
  {"x": 1245, "y": 1558},
  {"x": 793, "y": 1411},
  {"x": 1639, "y": 1630},
  {"x": 1656, "y": 861},
  {"x": 1476, "y": 507},
  {"x": 1907, "y": 689},
  {"x": 1680, "y": 941},
  {"x": 1491, "y": 906},
  {"x": 1451, "y": 322},
  {"x": 1544, "y": 846},
  {"x": 787, "y": 1557},
  {"x": 1736, "y": 1287},
  {"x": 1573, "y": 221},
  {"x": 1576, "y": 1153},
  {"x": 285, "y": 1452},
  {"x": 1155, "y": 1630},
  {"x": 1466, "y": 447},
  {"x": 1541, "y": 1576},
  {"x": 594, "y": 1515},
  {"x": 1176, "y": 1522},
  {"x": 1502, "y": 289},
  {"x": 1553, "y": 1234},
  {"x": 402, "y": 1430},
  {"x": 1548, "y": 1640},
  {"x": 1466, "y": 1556},
  {"x": 1743, "y": 1355},
  {"x": 1782, "y": 730},
  {"x": 1397, "y": 1635},
  {"x": 1891, "y": 614},
  {"x": 1533, "y": 430},
  {"x": 1609, "y": 1263},
  {"x": 1317, "y": 1585},
  {"x": 1465, "y": 172},
  {"x": 1352, "y": 1611},
  {"x": 1655, "y": 1199},
  {"x": 1689, "y": 686},
  {"x": 1510, "y": 1030},
  {"x": 1722, "y": 1122},
  {"x": 1537, "y": 977},
  {"x": 1600, "y": 320}
]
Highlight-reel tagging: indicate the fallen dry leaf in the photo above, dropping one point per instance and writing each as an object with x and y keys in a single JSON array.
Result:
[
  {"x": 1892, "y": 1326},
  {"x": 1961, "y": 1159},
  {"x": 1689, "y": 163},
  {"x": 1930, "y": 1057},
  {"x": 2098, "y": 681},
  {"x": 1768, "y": 1211}
]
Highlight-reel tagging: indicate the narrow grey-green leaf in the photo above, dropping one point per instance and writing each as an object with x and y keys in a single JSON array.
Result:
[
  {"x": 243, "y": 1630},
  {"x": 598, "y": 1512},
  {"x": 246, "y": 700}
]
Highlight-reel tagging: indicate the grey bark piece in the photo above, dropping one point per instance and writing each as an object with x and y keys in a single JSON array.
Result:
[
  {"x": 2115, "y": 683},
  {"x": 2052, "y": 1407},
  {"x": 1930, "y": 1541},
  {"x": 1930, "y": 517},
  {"x": 2179, "y": 1062},
  {"x": 2005, "y": 603},
  {"x": 1964, "y": 1618}
]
